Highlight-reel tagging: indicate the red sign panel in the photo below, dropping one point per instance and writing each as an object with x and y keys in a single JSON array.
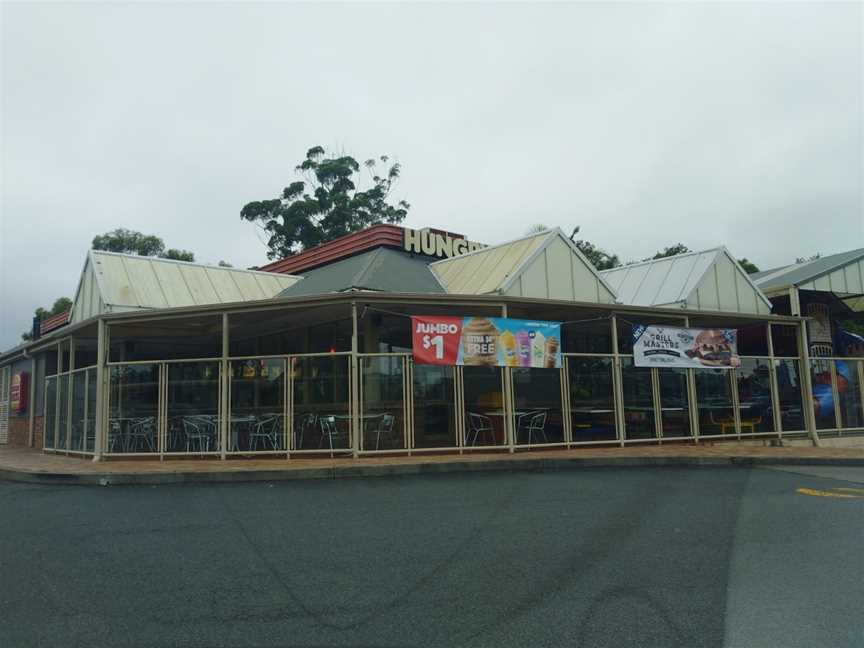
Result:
[
  {"x": 18, "y": 392},
  {"x": 435, "y": 340}
]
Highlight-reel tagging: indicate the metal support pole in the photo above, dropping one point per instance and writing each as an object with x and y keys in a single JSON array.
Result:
[
  {"x": 224, "y": 378},
  {"x": 807, "y": 396},
  {"x": 616, "y": 383},
  {"x": 772, "y": 376},
  {"x": 101, "y": 390},
  {"x": 693, "y": 406},
  {"x": 354, "y": 378},
  {"x": 32, "y": 404},
  {"x": 509, "y": 409}
]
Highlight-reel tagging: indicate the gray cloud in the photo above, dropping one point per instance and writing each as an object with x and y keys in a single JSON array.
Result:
[{"x": 738, "y": 124}]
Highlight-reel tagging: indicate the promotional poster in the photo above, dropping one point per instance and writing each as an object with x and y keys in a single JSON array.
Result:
[
  {"x": 489, "y": 341},
  {"x": 664, "y": 346}
]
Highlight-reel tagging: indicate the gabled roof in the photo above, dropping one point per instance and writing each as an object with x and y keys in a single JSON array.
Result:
[
  {"x": 381, "y": 269},
  {"x": 117, "y": 282},
  {"x": 504, "y": 269},
  {"x": 675, "y": 279},
  {"x": 799, "y": 274}
]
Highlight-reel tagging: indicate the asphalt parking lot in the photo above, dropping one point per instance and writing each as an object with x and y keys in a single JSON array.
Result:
[{"x": 583, "y": 557}]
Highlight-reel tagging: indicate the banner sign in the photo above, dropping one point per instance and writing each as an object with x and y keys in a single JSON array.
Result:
[
  {"x": 490, "y": 341},
  {"x": 18, "y": 392},
  {"x": 665, "y": 346}
]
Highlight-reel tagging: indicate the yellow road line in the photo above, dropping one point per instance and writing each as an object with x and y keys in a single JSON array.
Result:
[{"x": 856, "y": 493}]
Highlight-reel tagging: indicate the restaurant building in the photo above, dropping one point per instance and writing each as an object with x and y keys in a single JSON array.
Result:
[{"x": 393, "y": 340}]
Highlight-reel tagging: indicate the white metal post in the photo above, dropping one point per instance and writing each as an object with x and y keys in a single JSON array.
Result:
[
  {"x": 807, "y": 396},
  {"x": 772, "y": 377},
  {"x": 354, "y": 378},
  {"x": 224, "y": 406},
  {"x": 101, "y": 387}
]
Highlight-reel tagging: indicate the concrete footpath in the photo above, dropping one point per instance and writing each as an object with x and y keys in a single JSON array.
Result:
[{"x": 33, "y": 466}]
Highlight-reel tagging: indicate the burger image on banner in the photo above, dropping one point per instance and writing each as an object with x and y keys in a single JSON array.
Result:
[
  {"x": 714, "y": 348},
  {"x": 479, "y": 342}
]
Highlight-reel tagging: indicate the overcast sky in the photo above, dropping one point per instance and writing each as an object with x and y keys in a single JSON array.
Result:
[{"x": 645, "y": 124}]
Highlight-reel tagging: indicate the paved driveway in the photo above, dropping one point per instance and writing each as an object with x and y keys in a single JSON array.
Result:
[{"x": 590, "y": 557}]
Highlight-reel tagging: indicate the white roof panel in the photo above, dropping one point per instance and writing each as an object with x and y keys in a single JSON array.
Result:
[{"x": 130, "y": 282}]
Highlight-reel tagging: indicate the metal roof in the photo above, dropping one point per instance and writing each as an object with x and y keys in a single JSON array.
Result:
[
  {"x": 381, "y": 269},
  {"x": 670, "y": 280},
  {"x": 502, "y": 268},
  {"x": 797, "y": 274},
  {"x": 113, "y": 282}
]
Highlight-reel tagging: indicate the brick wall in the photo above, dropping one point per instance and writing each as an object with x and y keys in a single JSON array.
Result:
[
  {"x": 38, "y": 422},
  {"x": 18, "y": 431}
]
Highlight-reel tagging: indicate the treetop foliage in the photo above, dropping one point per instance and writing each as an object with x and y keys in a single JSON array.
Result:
[{"x": 326, "y": 203}]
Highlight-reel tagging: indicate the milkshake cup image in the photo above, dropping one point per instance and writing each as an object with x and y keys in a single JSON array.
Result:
[
  {"x": 551, "y": 353},
  {"x": 507, "y": 341},
  {"x": 479, "y": 342},
  {"x": 538, "y": 349},
  {"x": 523, "y": 348}
]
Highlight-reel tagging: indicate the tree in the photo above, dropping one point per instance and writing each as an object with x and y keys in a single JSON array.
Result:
[
  {"x": 61, "y": 304},
  {"x": 812, "y": 257},
  {"x": 224, "y": 264},
  {"x": 535, "y": 229},
  {"x": 178, "y": 255},
  {"x": 678, "y": 248},
  {"x": 131, "y": 242},
  {"x": 327, "y": 204},
  {"x": 599, "y": 258},
  {"x": 748, "y": 266}
]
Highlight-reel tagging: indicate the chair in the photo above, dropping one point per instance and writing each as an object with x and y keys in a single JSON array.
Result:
[
  {"x": 722, "y": 422},
  {"x": 115, "y": 436},
  {"x": 197, "y": 433},
  {"x": 328, "y": 429},
  {"x": 385, "y": 428},
  {"x": 266, "y": 429},
  {"x": 479, "y": 425},
  {"x": 536, "y": 424},
  {"x": 307, "y": 422},
  {"x": 142, "y": 434}
]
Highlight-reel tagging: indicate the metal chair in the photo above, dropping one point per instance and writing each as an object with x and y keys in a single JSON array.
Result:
[
  {"x": 479, "y": 425},
  {"x": 196, "y": 430},
  {"x": 142, "y": 434},
  {"x": 307, "y": 422},
  {"x": 267, "y": 430},
  {"x": 536, "y": 424},
  {"x": 328, "y": 430},
  {"x": 385, "y": 428}
]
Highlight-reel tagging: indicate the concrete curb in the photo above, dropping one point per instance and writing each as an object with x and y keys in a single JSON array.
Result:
[{"x": 349, "y": 471}]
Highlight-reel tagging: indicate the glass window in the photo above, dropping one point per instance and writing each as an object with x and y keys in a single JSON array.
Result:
[
  {"x": 325, "y": 329},
  {"x": 714, "y": 402},
  {"x": 587, "y": 337},
  {"x": 674, "y": 403},
  {"x": 434, "y": 406},
  {"x": 50, "y": 418},
  {"x": 823, "y": 394},
  {"x": 63, "y": 412},
  {"x": 79, "y": 384},
  {"x": 754, "y": 396},
  {"x": 133, "y": 405},
  {"x": 753, "y": 340},
  {"x": 321, "y": 402},
  {"x": 785, "y": 340},
  {"x": 638, "y": 401},
  {"x": 483, "y": 388},
  {"x": 789, "y": 393},
  {"x": 257, "y": 401},
  {"x": 193, "y": 407},
  {"x": 592, "y": 399},
  {"x": 849, "y": 392},
  {"x": 85, "y": 352},
  {"x": 382, "y": 419},
  {"x": 90, "y": 427},
  {"x": 167, "y": 339},
  {"x": 537, "y": 398}
]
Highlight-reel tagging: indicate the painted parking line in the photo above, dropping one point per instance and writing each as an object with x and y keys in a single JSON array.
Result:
[{"x": 842, "y": 493}]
